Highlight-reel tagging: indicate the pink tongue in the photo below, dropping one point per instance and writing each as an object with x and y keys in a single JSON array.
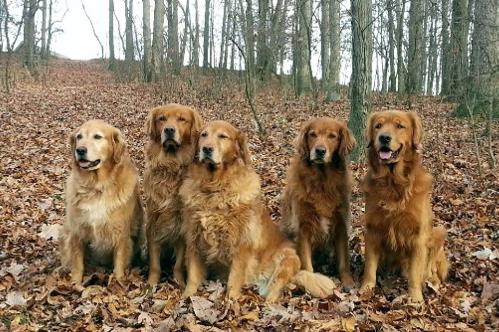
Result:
[
  {"x": 385, "y": 155},
  {"x": 84, "y": 163}
]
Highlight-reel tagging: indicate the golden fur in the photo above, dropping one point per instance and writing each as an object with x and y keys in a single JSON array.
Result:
[
  {"x": 226, "y": 224},
  {"x": 103, "y": 208},
  {"x": 167, "y": 159},
  {"x": 398, "y": 209},
  {"x": 316, "y": 200}
]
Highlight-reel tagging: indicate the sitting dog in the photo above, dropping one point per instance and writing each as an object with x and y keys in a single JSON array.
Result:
[
  {"x": 226, "y": 225},
  {"x": 104, "y": 212}
]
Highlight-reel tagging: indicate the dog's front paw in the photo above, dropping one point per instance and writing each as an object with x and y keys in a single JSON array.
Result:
[
  {"x": 367, "y": 287},
  {"x": 189, "y": 291},
  {"x": 416, "y": 296}
]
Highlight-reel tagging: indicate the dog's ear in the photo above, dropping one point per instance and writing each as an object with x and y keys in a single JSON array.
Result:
[
  {"x": 150, "y": 125},
  {"x": 369, "y": 129},
  {"x": 347, "y": 141},
  {"x": 197, "y": 123},
  {"x": 417, "y": 130},
  {"x": 301, "y": 143},
  {"x": 72, "y": 144},
  {"x": 118, "y": 146},
  {"x": 244, "y": 153}
]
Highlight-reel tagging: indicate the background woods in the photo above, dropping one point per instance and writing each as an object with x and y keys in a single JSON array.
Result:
[{"x": 267, "y": 66}]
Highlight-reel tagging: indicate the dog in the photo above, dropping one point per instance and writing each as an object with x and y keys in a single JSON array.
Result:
[
  {"x": 172, "y": 130},
  {"x": 103, "y": 207},
  {"x": 316, "y": 200},
  {"x": 226, "y": 225},
  {"x": 398, "y": 214}
]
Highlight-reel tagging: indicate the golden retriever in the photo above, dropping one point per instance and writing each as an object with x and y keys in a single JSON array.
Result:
[
  {"x": 316, "y": 200},
  {"x": 226, "y": 224},
  {"x": 172, "y": 130},
  {"x": 104, "y": 212},
  {"x": 398, "y": 213}
]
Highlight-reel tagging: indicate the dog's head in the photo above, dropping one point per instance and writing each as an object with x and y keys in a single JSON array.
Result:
[
  {"x": 323, "y": 140},
  {"x": 221, "y": 144},
  {"x": 95, "y": 144},
  {"x": 173, "y": 125},
  {"x": 393, "y": 133}
]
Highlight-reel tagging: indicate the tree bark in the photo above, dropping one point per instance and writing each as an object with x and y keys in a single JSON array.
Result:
[
  {"x": 361, "y": 71},
  {"x": 325, "y": 39},
  {"x": 206, "y": 35},
  {"x": 303, "y": 77},
  {"x": 29, "y": 11},
  {"x": 458, "y": 47},
  {"x": 157, "y": 39},
  {"x": 391, "y": 45},
  {"x": 146, "y": 30},
  {"x": 129, "y": 47},
  {"x": 415, "y": 51},
  {"x": 401, "y": 70},
  {"x": 111, "y": 34},
  {"x": 195, "y": 43},
  {"x": 445, "y": 49}
]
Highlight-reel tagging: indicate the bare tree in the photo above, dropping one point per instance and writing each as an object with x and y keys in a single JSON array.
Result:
[
  {"x": 146, "y": 31},
  {"x": 413, "y": 84},
  {"x": 29, "y": 11},
  {"x": 93, "y": 30},
  {"x": 303, "y": 47},
  {"x": 157, "y": 39},
  {"x": 111, "y": 35},
  {"x": 129, "y": 47},
  {"x": 206, "y": 35},
  {"x": 361, "y": 70}
]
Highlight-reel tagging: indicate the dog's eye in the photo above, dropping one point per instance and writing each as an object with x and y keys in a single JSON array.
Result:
[
  {"x": 312, "y": 134},
  {"x": 79, "y": 136},
  {"x": 97, "y": 136},
  {"x": 400, "y": 126},
  {"x": 378, "y": 125},
  {"x": 204, "y": 134},
  {"x": 181, "y": 119},
  {"x": 331, "y": 136},
  {"x": 162, "y": 118},
  {"x": 223, "y": 136}
]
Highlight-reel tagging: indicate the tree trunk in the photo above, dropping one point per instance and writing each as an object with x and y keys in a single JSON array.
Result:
[
  {"x": 111, "y": 34},
  {"x": 325, "y": 39},
  {"x": 172, "y": 47},
  {"x": 250, "y": 33},
  {"x": 303, "y": 78},
  {"x": 432, "y": 51},
  {"x": 415, "y": 51},
  {"x": 361, "y": 71},
  {"x": 157, "y": 39},
  {"x": 29, "y": 11},
  {"x": 445, "y": 55},
  {"x": 43, "y": 50},
  {"x": 146, "y": 30},
  {"x": 483, "y": 86},
  {"x": 458, "y": 47},
  {"x": 206, "y": 35},
  {"x": 195, "y": 43},
  {"x": 401, "y": 71},
  {"x": 391, "y": 45},
  {"x": 129, "y": 48},
  {"x": 223, "y": 41},
  {"x": 333, "y": 92},
  {"x": 264, "y": 57}
]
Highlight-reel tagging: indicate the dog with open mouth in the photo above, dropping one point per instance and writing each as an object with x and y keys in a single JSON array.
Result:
[
  {"x": 227, "y": 226},
  {"x": 316, "y": 200},
  {"x": 172, "y": 130},
  {"x": 398, "y": 214},
  {"x": 103, "y": 208}
]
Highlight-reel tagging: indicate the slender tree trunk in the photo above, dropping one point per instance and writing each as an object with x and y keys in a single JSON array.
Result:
[
  {"x": 224, "y": 33},
  {"x": 250, "y": 31},
  {"x": 43, "y": 51},
  {"x": 325, "y": 38},
  {"x": 333, "y": 92},
  {"x": 445, "y": 56},
  {"x": 391, "y": 45},
  {"x": 228, "y": 33},
  {"x": 172, "y": 47},
  {"x": 93, "y": 30},
  {"x": 129, "y": 47},
  {"x": 264, "y": 58},
  {"x": 111, "y": 35},
  {"x": 146, "y": 30},
  {"x": 29, "y": 11},
  {"x": 401, "y": 71},
  {"x": 195, "y": 46},
  {"x": 432, "y": 55},
  {"x": 415, "y": 51},
  {"x": 157, "y": 39},
  {"x": 361, "y": 71},
  {"x": 186, "y": 34},
  {"x": 206, "y": 35},
  {"x": 458, "y": 47},
  {"x": 304, "y": 79}
]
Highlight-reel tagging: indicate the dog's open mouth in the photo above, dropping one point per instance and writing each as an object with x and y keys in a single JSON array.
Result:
[
  {"x": 86, "y": 164},
  {"x": 387, "y": 155}
]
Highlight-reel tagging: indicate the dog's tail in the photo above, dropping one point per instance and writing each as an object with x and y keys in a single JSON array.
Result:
[{"x": 318, "y": 285}]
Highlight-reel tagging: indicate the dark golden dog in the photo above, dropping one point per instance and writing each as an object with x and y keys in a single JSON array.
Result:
[
  {"x": 172, "y": 131},
  {"x": 316, "y": 201},
  {"x": 226, "y": 224},
  {"x": 398, "y": 209},
  {"x": 104, "y": 213}
]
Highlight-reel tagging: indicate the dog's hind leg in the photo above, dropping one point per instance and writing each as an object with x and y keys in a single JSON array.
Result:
[
  {"x": 286, "y": 264},
  {"x": 122, "y": 256},
  {"x": 178, "y": 269}
]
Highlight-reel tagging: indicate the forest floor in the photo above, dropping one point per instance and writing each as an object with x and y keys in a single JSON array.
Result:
[{"x": 36, "y": 119}]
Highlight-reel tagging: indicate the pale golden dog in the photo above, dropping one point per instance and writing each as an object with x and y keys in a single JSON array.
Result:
[
  {"x": 226, "y": 224},
  {"x": 316, "y": 201},
  {"x": 104, "y": 212},
  {"x": 398, "y": 209},
  {"x": 172, "y": 131}
]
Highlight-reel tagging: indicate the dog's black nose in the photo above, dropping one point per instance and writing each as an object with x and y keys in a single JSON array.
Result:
[
  {"x": 385, "y": 138},
  {"x": 169, "y": 131},
  {"x": 320, "y": 151},
  {"x": 81, "y": 151},
  {"x": 207, "y": 150}
]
